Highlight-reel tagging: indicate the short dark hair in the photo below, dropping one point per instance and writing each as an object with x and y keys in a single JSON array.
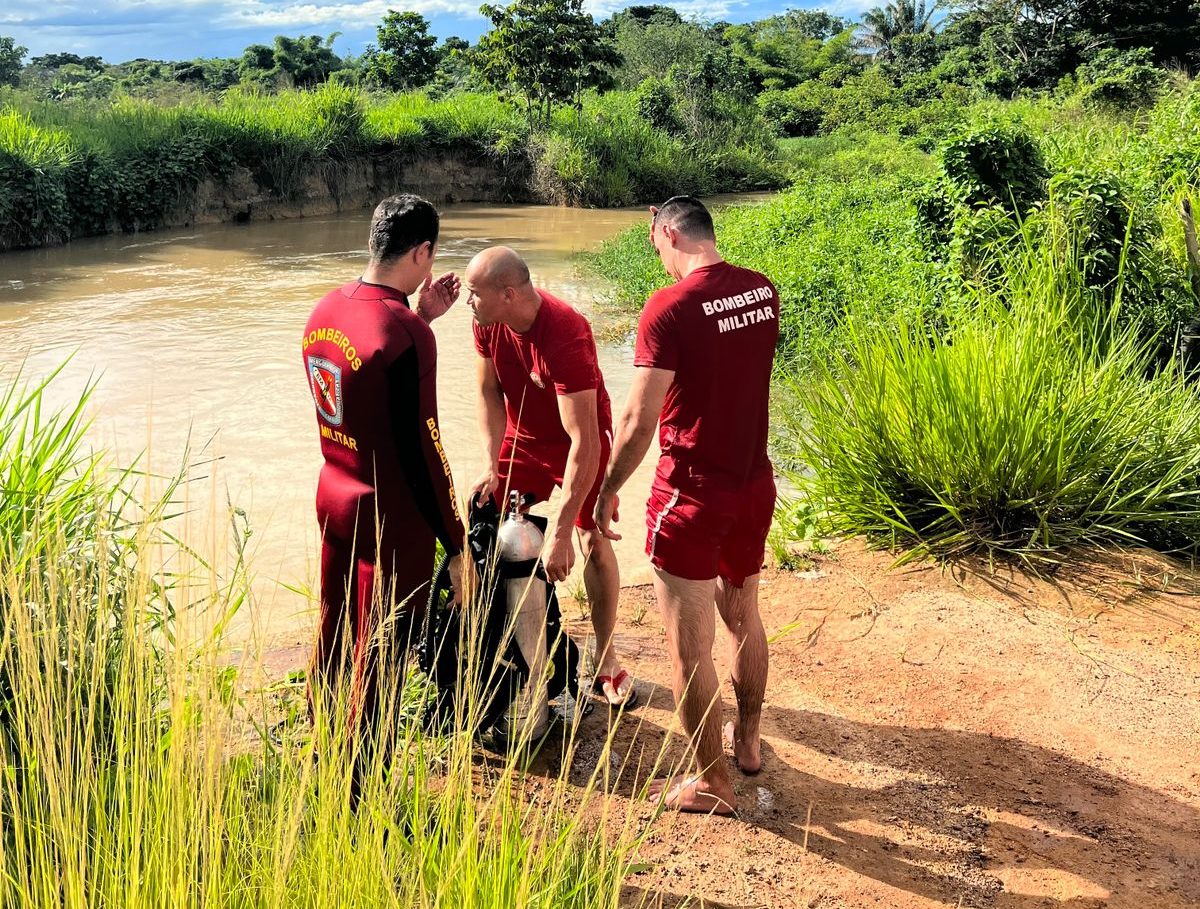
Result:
[
  {"x": 687, "y": 215},
  {"x": 400, "y": 223}
]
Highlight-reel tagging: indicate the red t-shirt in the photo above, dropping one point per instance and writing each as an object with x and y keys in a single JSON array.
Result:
[
  {"x": 717, "y": 330},
  {"x": 557, "y": 356}
]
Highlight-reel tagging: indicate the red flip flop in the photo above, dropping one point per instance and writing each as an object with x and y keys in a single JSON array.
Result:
[{"x": 631, "y": 699}]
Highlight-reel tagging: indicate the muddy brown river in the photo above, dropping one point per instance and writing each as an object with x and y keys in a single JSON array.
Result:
[{"x": 193, "y": 338}]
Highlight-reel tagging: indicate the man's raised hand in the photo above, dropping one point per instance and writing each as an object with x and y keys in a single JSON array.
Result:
[
  {"x": 485, "y": 487},
  {"x": 435, "y": 297}
]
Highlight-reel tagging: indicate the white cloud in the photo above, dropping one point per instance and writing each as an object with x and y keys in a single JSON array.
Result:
[
  {"x": 214, "y": 13},
  {"x": 850, "y": 8},
  {"x": 177, "y": 29},
  {"x": 293, "y": 15},
  {"x": 706, "y": 10}
]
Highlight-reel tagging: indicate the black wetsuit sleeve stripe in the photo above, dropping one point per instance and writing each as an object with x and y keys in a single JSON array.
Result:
[{"x": 412, "y": 390}]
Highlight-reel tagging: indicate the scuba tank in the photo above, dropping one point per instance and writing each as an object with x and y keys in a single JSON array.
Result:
[
  {"x": 520, "y": 541},
  {"x": 495, "y": 661}
]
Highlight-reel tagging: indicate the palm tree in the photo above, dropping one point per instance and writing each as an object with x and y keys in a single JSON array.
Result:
[{"x": 883, "y": 25}]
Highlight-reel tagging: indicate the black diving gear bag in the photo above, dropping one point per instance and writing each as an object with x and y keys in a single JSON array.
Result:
[{"x": 456, "y": 654}]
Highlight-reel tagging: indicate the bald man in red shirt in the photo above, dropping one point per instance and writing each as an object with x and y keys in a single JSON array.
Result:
[
  {"x": 704, "y": 356},
  {"x": 546, "y": 421}
]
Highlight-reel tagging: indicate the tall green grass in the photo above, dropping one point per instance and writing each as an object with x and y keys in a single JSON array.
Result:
[
  {"x": 1029, "y": 426},
  {"x": 136, "y": 767},
  {"x": 831, "y": 245},
  {"x": 33, "y": 163},
  {"x": 608, "y": 154},
  {"x": 130, "y": 165},
  {"x": 465, "y": 120}
]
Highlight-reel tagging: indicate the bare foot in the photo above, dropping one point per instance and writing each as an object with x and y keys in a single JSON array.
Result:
[
  {"x": 691, "y": 793},
  {"x": 746, "y": 755}
]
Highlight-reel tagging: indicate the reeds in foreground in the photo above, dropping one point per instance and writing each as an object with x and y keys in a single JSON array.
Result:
[{"x": 136, "y": 769}]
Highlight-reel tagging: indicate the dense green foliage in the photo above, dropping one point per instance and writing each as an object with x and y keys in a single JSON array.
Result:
[
  {"x": 547, "y": 51},
  {"x": 832, "y": 245},
  {"x": 925, "y": 66},
  {"x": 84, "y": 168},
  {"x": 11, "y": 55},
  {"x": 406, "y": 56},
  {"x": 305, "y": 62},
  {"x": 1029, "y": 425},
  {"x": 696, "y": 107},
  {"x": 979, "y": 348}
]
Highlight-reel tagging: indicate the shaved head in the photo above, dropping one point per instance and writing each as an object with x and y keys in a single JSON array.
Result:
[
  {"x": 499, "y": 289},
  {"x": 498, "y": 266}
]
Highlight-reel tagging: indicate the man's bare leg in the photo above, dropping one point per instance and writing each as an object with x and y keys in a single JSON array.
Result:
[
  {"x": 602, "y": 579},
  {"x": 748, "y": 655},
  {"x": 687, "y": 610}
]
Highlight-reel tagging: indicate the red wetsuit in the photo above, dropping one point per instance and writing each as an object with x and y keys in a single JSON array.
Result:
[
  {"x": 385, "y": 492},
  {"x": 557, "y": 356},
  {"x": 713, "y": 496}
]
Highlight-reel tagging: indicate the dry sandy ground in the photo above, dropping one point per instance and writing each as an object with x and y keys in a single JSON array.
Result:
[
  {"x": 934, "y": 738},
  {"x": 946, "y": 738}
]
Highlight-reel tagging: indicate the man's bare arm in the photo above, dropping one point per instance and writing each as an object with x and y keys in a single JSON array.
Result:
[
  {"x": 489, "y": 411},
  {"x": 635, "y": 431},
  {"x": 578, "y": 414}
]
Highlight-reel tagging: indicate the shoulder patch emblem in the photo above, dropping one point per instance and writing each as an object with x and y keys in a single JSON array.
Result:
[
  {"x": 536, "y": 379},
  {"x": 325, "y": 381}
]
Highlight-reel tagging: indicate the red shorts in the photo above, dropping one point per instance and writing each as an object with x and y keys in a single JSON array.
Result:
[
  {"x": 708, "y": 529},
  {"x": 532, "y": 471}
]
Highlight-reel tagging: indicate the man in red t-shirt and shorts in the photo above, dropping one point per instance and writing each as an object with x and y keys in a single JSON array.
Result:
[
  {"x": 546, "y": 421},
  {"x": 705, "y": 352}
]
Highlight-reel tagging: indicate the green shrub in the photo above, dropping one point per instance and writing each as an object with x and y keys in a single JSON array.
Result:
[
  {"x": 936, "y": 214},
  {"x": 865, "y": 102},
  {"x": 1030, "y": 428},
  {"x": 797, "y": 111},
  {"x": 1120, "y": 79},
  {"x": 998, "y": 165},
  {"x": 1117, "y": 241},
  {"x": 656, "y": 105},
  {"x": 34, "y": 208}
]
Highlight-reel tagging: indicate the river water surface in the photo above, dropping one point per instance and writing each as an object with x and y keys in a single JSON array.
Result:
[{"x": 194, "y": 339}]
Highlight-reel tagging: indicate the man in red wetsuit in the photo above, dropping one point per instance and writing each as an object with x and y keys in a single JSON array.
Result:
[
  {"x": 546, "y": 421},
  {"x": 385, "y": 493},
  {"x": 705, "y": 352}
]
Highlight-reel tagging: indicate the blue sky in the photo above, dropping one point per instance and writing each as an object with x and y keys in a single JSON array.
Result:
[{"x": 121, "y": 30}]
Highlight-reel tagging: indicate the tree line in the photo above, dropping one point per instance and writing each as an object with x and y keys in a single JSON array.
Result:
[{"x": 797, "y": 66}]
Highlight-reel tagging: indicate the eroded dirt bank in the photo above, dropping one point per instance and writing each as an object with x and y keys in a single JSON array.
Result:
[{"x": 442, "y": 176}]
